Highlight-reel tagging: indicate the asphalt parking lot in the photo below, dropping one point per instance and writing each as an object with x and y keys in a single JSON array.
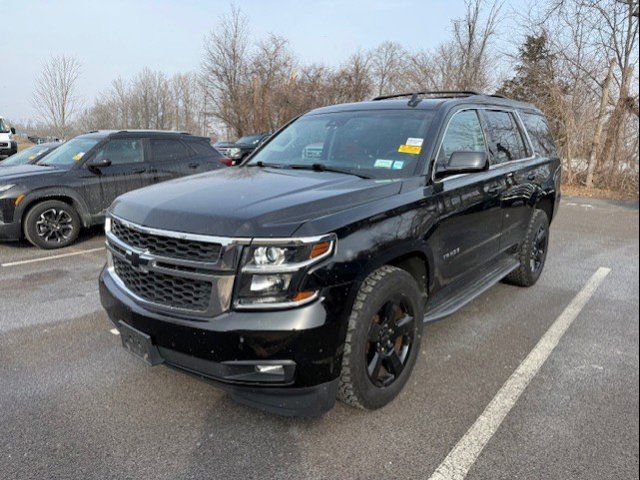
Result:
[{"x": 73, "y": 404}]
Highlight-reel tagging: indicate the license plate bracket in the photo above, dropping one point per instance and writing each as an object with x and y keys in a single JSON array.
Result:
[{"x": 139, "y": 344}]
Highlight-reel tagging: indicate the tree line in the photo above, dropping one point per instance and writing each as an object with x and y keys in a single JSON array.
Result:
[{"x": 578, "y": 62}]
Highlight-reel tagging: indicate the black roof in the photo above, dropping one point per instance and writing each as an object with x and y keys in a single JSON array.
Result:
[
  {"x": 427, "y": 101},
  {"x": 135, "y": 132}
]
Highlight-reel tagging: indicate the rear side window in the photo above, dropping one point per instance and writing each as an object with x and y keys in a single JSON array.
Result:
[
  {"x": 164, "y": 150},
  {"x": 507, "y": 139},
  {"x": 121, "y": 151},
  {"x": 202, "y": 147},
  {"x": 464, "y": 134},
  {"x": 539, "y": 133}
]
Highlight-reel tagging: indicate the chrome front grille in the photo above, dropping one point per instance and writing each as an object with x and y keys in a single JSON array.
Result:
[
  {"x": 167, "y": 246},
  {"x": 173, "y": 272}
]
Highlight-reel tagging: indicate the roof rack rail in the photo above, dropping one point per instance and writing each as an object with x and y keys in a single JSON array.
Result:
[{"x": 441, "y": 93}]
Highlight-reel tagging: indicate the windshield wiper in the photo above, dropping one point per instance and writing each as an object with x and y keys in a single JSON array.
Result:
[
  {"x": 261, "y": 164},
  {"x": 320, "y": 167}
]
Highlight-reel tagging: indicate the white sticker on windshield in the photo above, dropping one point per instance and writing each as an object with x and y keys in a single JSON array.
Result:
[
  {"x": 414, "y": 142},
  {"x": 398, "y": 164}
]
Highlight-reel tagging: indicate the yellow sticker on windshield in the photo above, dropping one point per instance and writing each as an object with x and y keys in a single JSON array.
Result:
[
  {"x": 78, "y": 156},
  {"x": 412, "y": 149},
  {"x": 31, "y": 157}
]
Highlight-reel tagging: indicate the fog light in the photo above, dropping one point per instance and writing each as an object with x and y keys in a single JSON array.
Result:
[{"x": 270, "y": 369}]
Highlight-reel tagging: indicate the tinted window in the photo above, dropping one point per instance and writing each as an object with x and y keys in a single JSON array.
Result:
[
  {"x": 121, "y": 151},
  {"x": 464, "y": 134},
  {"x": 250, "y": 140},
  {"x": 506, "y": 137},
  {"x": 168, "y": 150},
  {"x": 376, "y": 143},
  {"x": 202, "y": 147},
  {"x": 539, "y": 134}
]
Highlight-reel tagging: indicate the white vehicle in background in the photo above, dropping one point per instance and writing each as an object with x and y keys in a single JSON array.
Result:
[{"x": 8, "y": 145}]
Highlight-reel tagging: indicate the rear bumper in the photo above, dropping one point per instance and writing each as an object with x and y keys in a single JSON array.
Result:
[{"x": 231, "y": 348}]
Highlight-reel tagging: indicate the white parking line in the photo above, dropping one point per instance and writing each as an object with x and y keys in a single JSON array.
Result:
[
  {"x": 457, "y": 464},
  {"x": 51, "y": 257}
]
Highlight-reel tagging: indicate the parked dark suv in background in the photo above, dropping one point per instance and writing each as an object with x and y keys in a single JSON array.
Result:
[
  {"x": 241, "y": 148},
  {"x": 72, "y": 186},
  {"x": 307, "y": 273}
]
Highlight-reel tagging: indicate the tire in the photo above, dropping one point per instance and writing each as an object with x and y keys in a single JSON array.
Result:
[
  {"x": 361, "y": 385},
  {"x": 52, "y": 224},
  {"x": 532, "y": 253}
]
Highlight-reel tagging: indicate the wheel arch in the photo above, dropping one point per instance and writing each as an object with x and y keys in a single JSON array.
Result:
[
  {"x": 414, "y": 259},
  {"x": 67, "y": 196}
]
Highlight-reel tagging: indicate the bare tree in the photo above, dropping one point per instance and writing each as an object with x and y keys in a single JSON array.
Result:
[
  {"x": 472, "y": 37},
  {"x": 56, "y": 93},
  {"x": 387, "y": 61}
]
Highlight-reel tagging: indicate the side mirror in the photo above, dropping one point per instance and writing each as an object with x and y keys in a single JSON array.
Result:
[
  {"x": 13, "y": 131},
  {"x": 96, "y": 165},
  {"x": 466, "y": 162}
]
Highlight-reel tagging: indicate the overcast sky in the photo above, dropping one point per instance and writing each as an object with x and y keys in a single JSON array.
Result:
[{"x": 118, "y": 38}]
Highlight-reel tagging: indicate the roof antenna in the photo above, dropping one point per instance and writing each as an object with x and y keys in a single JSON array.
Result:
[{"x": 414, "y": 100}]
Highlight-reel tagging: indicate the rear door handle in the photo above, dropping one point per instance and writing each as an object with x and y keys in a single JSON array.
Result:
[
  {"x": 531, "y": 177},
  {"x": 194, "y": 165},
  {"x": 493, "y": 191},
  {"x": 139, "y": 170}
]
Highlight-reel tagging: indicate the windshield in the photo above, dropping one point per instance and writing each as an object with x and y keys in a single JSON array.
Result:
[
  {"x": 375, "y": 143},
  {"x": 3, "y": 126},
  {"x": 249, "y": 139},
  {"x": 25, "y": 156},
  {"x": 69, "y": 153}
]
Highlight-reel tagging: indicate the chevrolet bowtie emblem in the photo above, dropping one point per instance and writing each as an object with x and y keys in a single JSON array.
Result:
[{"x": 136, "y": 261}]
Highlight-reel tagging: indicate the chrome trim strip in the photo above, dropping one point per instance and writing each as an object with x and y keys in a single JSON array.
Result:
[
  {"x": 224, "y": 241},
  {"x": 493, "y": 166},
  {"x": 275, "y": 306},
  {"x": 162, "y": 259}
]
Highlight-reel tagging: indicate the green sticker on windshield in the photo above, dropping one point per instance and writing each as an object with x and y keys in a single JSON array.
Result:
[
  {"x": 382, "y": 163},
  {"x": 398, "y": 164}
]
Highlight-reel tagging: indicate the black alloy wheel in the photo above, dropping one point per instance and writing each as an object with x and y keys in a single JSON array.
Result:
[{"x": 391, "y": 337}]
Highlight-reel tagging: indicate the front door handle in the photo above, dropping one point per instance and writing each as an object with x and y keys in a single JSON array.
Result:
[
  {"x": 531, "y": 177},
  {"x": 493, "y": 191},
  {"x": 140, "y": 170},
  {"x": 194, "y": 165}
]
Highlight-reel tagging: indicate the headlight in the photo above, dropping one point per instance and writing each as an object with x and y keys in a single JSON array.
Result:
[
  {"x": 272, "y": 271},
  {"x": 234, "y": 153},
  {"x": 4, "y": 188}
]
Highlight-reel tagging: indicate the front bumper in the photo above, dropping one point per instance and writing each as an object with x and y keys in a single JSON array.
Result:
[
  {"x": 10, "y": 229},
  {"x": 228, "y": 349},
  {"x": 10, "y": 149}
]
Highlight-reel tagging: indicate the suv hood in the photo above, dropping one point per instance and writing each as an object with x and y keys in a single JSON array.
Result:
[
  {"x": 18, "y": 172},
  {"x": 248, "y": 201}
]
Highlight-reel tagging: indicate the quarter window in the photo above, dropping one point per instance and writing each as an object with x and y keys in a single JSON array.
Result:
[
  {"x": 464, "y": 134},
  {"x": 168, "y": 150},
  {"x": 539, "y": 134},
  {"x": 202, "y": 147},
  {"x": 121, "y": 151},
  {"x": 506, "y": 137}
]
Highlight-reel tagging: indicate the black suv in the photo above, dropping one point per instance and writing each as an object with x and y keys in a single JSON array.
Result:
[
  {"x": 242, "y": 147},
  {"x": 308, "y": 272},
  {"x": 71, "y": 187}
]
